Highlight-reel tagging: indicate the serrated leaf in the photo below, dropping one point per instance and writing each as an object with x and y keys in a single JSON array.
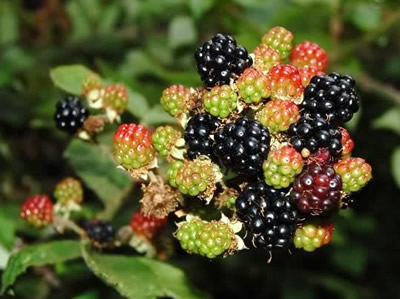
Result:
[
  {"x": 38, "y": 255},
  {"x": 137, "y": 104},
  {"x": 70, "y": 77},
  {"x": 390, "y": 120},
  {"x": 139, "y": 277},
  {"x": 181, "y": 32},
  {"x": 396, "y": 166},
  {"x": 156, "y": 116},
  {"x": 94, "y": 165}
]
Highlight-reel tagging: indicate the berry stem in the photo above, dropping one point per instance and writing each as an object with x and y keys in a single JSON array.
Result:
[{"x": 62, "y": 223}]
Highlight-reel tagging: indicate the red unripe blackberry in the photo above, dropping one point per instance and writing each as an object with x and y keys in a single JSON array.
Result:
[
  {"x": 147, "y": 226},
  {"x": 332, "y": 97},
  {"x": 220, "y": 59},
  {"x": 253, "y": 86},
  {"x": 280, "y": 39},
  {"x": 347, "y": 143},
  {"x": 70, "y": 114},
  {"x": 198, "y": 135},
  {"x": 309, "y": 54},
  {"x": 37, "y": 210},
  {"x": 285, "y": 82},
  {"x": 132, "y": 146},
  {"x": 101, "y": 233},
  {"x": 317, "y": 190},
  {"x": 269, "y": 216},
  {"x": 242, "y": 146},
  {"x": 278, "y": 115},
  {"x": 265, "y": 58},
  {"x": 307, "y": 73}
]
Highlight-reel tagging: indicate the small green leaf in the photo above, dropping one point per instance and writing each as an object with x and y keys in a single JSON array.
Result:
[
  {"x": 70, "y": 77},
  {"x": 7, "y": 235},
  {"x": 396, "y": 165},
  {"x": 390, "y": 120},
  {"x": 139, "y": 277},
  {"x": 94, "y": 164},
  {"x": 137, "y": 104},
  {"x": 366, "y": 16},
  {"x": 352, "y": 259},
  {"x": 157, "y": 116},
  {"x": 181, "y": 32},
  {"x": 38, "y": 255},
  {"x": 200, "y": 7}
]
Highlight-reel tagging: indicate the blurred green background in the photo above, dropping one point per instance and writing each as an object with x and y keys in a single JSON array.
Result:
[{"x": 149, "y": 45}]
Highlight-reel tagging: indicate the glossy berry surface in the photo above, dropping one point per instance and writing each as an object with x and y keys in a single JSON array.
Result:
[
  {"x": 68, "y": 190},
  {"x": 265, "y": 58},
  {"x": 347, "y": 143},
  {"x": 309, "y": 54},
  {"x": 242, "y": 146},
  {"x": 37, "y": 210},
  {"x": 100, "y": 233},
  {"x": 253, "y": 86},
  {"x": 198, "y": 135},
  {"x": 282, "y": 166},
  {"x": 307, "y": 73},
  {"x": 285, "y": 83},
  {"x": 220, "y": 101},
  {"x": 317, "y": 190},
  {"x": 269, "y": 217},
  {"x": 209, "y": 239},
  {"x": 279, "y": 39},
  {"x": 308, "y": 135},
  {"x": 115, "y": 97},
  {"x": 174, "y": 99},
  {"x": 310, "y": 237},
  {"x": 220, "y": 59},
  {"x": 332, "y": 97},
  {"x": 278, "y": 115},
  {"x": 147, "y": 226},
  {"x": 132, "y": 146},
  {"x": 355, "y": 173},
  {"x": 70, "y": 114},
  {"x": 164, "y": 138}
]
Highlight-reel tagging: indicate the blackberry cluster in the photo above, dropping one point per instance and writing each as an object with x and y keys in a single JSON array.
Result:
[
  {"x": 332, "y": 97},
  {"x": 268, "y": 215},
  {"x": 308, "y": 135},
  {"x": 101, "y": 233},
  {"x": 70, "y": 114},
  {"x": 198, "y": 135},
  {"x": 220, "y": 59},
  {"x": 242, "y": 146}
]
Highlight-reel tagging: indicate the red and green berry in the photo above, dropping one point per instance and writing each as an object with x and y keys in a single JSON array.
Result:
[
  {"x": 265, "y": 58},
  {"x": 285, "y": 82},
  {"x": 355, "y": 173},
  {"x": 37, "y": 210},
  {"x": 220, "y": 101},
  {"x": 310, "y": 237},
  {"x": 253, "y": 86},
  {"x": 175, "y": 98},
  {"x": 279, "y": 39},
  {"x": 278, "y": 115},
  {"x": 147, "y": 226},
  {"x": 309, "y": 54}
]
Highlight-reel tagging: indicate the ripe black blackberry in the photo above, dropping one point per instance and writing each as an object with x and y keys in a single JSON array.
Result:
[
  {"x": 308, "y": 135},
  {"x": 242, "y": 146},
  {"x": 269, "y": 216},
  {"x": 101, "y": 233},
  {"x": 332, "y": 97},
  {"x": 220, "y": 58},
  {"x": 70, "y": 114},
  {"x": 197, "y": 135}
]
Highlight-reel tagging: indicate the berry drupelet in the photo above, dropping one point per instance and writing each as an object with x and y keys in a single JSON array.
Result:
[
  {"x": 269, "y": 216},
  {"x": 331, "y": 97},
  {"x": 70, "y": 114},
  {"x": 220, "y": 59},
  {"x": 198, "y": 135},
  {"x": 242, "y": 146}
]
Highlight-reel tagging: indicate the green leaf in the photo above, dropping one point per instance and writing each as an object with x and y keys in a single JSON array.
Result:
[
  {"x": 8, "y": 23},
  {"x": 139, "y": 277},
  {"x": 352, "y": 259},
  {"x": 199, "y": 7},
  {"x": 110, "y": 17},
  {"x": 396, "y": 165},
  {"x": 366, "y": 16},
  {"x": 137, "y": 104},
  {"x": 390, "y": 120},
  {"x": 157, "y": 116},
  {"x": 94, "y": 164},
  {"x": 38, "y": 255},
  {"x": 7, "y": 235},
  {"x": 181, "y": 32},
  {"x": 70, "y": 77}
]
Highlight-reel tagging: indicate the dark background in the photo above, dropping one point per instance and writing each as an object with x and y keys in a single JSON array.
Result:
[{"x": 149, "y": 45}]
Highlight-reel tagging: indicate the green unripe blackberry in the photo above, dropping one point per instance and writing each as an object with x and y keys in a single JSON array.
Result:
[
  {"x": 164, "y": 138},
  {"x": 175, "y": 98},
  {"x": 68, "y": 190},
  {"x": 310, "y": 237},
  {"x": 187, "y": 235},
  {"x": 282, "y": 166},
  {"x": 279, "y": 39},
  {"x": 253, "y": 86},
  {"x": 172, "y": 172},
  {"x": 278, "y": 115},
  {"x": 220, "y": 101},
  {"x": 355, "y": 173}
]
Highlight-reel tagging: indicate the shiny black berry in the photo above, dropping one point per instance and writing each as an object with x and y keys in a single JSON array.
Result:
[
  {"x": 331, "y": 97},
  {"x": 308, "y": 135},
  {"x": 242, "y": 146},
  {"x": 269, "y": 216},
  {"x": 70, "y": 114},
  {"x": 101, "y": 233},
  {"x": 220, "y": 59},
  {"x": 198, "y": 135}
]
